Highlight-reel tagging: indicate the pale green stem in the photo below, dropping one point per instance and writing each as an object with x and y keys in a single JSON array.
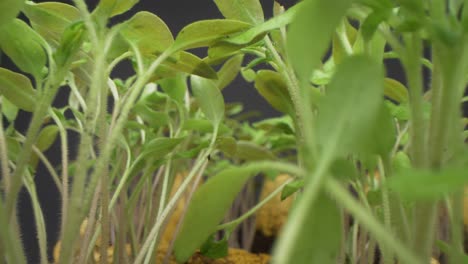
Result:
[{"x": 6, "y": 175}]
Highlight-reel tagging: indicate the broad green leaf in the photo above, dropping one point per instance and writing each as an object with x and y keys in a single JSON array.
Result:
[
  {"x": 229, "y": 71},
  {"x": 207, "y": 32},
  {"x": 160, "y": 147},
  {"x": 209, "y": 98},
  {"x": 416, "y": 184},
  {"x": 114, "y": 7},
  {"x": 249, "y": 11},
  {"x": 148, "y": 32},
  {"x": 207, "y": 209},
  {"x": 18, "y": 89},
  {"x": 343, "y": 169},
  {"x": 70, "y": 43},
  {"x": 9, "y": 9},
  {"x": 381, "y": 135},
  {"x": 204, "y": 126},
  {"x": 273, "y": 88},
  {"x": 9, "y": 110},
  {"x": 311, "y": 31},
  {"x": 175, "y": 87},
  {"x": 249, "y": 151},
  {"x": 50, "y": 19},
  {"x": 320, "y": 236},
  {"x": 395, "y": 90},
  {"x": 47, "y": 137},
  {"x": 372, "y": 22},
  {"x": 351, "y": 105},
  {"x": 23, "y": 46},
  {"x": 276, "y": 22}
]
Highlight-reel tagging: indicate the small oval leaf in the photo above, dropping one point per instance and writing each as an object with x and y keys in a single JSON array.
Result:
[
  {"x": 273, "y": 88},
  {"x": 47, "y": 137},
  {"x": 229, "y": 71},
  {"x": 395, "y": 90}
]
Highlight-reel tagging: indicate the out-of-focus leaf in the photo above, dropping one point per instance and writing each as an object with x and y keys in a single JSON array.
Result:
[
  {"x": 395, "y": 90},
  {"x": 47, "y": 137},
  {"x": 209, "y": 98},
  {"x": 9, "y": 110},
  {"x": 154, "y": 118},
  {"x": 148, "y": 32},
  {"x": 50, "y": 19},
  {"x": 311, "y": 31},
  {"x": 416, "y": 184},
  {"x": 354, "y": 97},
  {"x": 273, "y": 88},
  {"x": 401, "y": 162},
  {"x": 18, "y": 89},
  {"x": 207, "y": 209},
  {"x": 229, "y": 71},
  {"x": 207, "y": 32},
  {"x": 227, "y": 145},
  {"x": 185, "y": 62},
  {"x": 204, "y": 126},
  {"x": 9, "y": 9},
  {"x": 320, "y": 236},
  {"x": 249, "y": 11},
  {"x": 291, "y": 188},
  {"x": 160, "y": 147},
  {"x": 23, "y": 46},
  {"x": 252, "y": 152},
  {"x": 70, "y": 43},
  {"x": 338, "y": 51}
]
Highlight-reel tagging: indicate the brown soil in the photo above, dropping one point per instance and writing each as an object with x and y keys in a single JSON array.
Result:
[{"x": 272, "y": 216}]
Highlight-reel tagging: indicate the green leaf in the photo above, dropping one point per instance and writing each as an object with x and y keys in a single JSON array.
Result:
[
  {"x": 401, "y": 162},
  {"x": 23, "y": 46},
  {"x": 207, "y": 32},
  {"x": 253, "y": 34},
  {"x": 114, "y": 7},
  {"x": 189, "y": 63},
  {"x": 50, "y": 19},
  {"x": 207, "y": 209},
  {"x": 9, "y": 9},
  {"x": 47, "y": 137},
  {"x": 154, "y": 118},
  {"x": 18, "y": 89},
  {"x": 160, "y": 147},
  {"x": 351, "y": 105},
  {"x": 372, "y": 22},
  {"x": 227, "y": 145},
  {"x": 273, "y": 88},
  {"x": 249, "y": 11},
  {"x": 339, "y": 51},
  {"x": 9, "y": 110},
  {"x": 229, "y": 71},
  {"x": 381, "y": 136},
  {"x": 209, "y": 98},
  {"x": 250, "y": 151},
  {"x": 291, "y": 188},
  {"x": 204, "y": 126},
  {"x": 148, "y": 32},
  {"x": 215, "y": 249},
  {"x": 343, "y": 169},
  {"x": 249, "y": 75},
  {"x": 416, "y": 184},
  {"x": 320, "y": 237},
  {"x": 310, "y": 33},
  {"x": 175, "y": 87},
  {"x": 70, "y": 43},
  {"x": 395, "y": 90}
]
